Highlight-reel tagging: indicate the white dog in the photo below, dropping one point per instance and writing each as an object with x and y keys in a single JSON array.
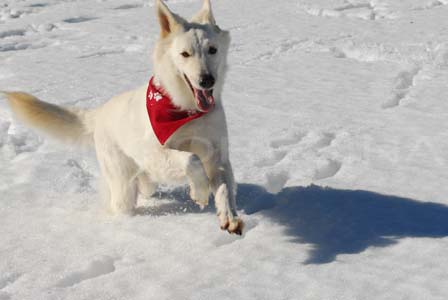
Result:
[{"x": 168, "y": 131}]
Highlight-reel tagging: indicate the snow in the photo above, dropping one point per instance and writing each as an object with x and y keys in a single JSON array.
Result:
[{"x": 337, "y": 115}]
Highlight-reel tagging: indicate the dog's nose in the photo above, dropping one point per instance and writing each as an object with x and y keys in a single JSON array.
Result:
[{"x": 207, "y": 81}]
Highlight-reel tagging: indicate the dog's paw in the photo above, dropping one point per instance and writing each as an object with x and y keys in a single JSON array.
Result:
[
  {"x": 200, "y": 196},
  {"x": 232, "y": 225}
]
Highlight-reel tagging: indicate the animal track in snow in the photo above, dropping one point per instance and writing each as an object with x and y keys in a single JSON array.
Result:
[
  {"x": 404, "y": 82},
  {"x": 305, "y": 150},
  {"x": 18, "y": 46},
  {"x": 246, "y": 26},
  {"x": 440, "y": 55},
  {"x": 316, "y": 141},
  {"x": 38, "y": 5},
  {"x": 4, "y": 127},
  {"x": 95, "y": 268},
  {"x": 8, "y": 279},
  {"x": 291, "y": 139},
  {"x": 22, "y": 32},
  {"x": 128, "y": 6},
  {"x": 9, "y": 12},
  {"x": 372, "y": 10},
  {"x": 285, "y": 46},
  {"x": 327, "y": 168},
  {"x": 11, "y": 33},
  {"x": 80, "y": 175},
  {"x": 5, "y": 281},
  {"x": 345, "y": 47},
  {"x": 76, "y": 20},
  {"x": 431, "y": 4},
  {"x": 407, "y": 80},
  {"x": 41, "y": 28},
  {"x": 280, "y": 145},
  {"x": 324, "y": 140},
  {"x": 276, "y": 181},
  {"x": 366, "y": 52},
  {"x": 276, "y": 157},
  {"x": 101, "y": 53},
  {"x": 15, "y": 141}
]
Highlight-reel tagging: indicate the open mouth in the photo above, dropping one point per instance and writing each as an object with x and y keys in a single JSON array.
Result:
[{"x": 204, "y": 98}]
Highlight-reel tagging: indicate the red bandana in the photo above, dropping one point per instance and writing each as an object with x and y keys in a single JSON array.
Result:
[{"x": 165, "y": 118}]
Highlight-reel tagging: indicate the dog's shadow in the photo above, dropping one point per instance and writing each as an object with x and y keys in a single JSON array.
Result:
[
  {"x": 180, "y": 203},
  {"x": 335, "y": 221}
]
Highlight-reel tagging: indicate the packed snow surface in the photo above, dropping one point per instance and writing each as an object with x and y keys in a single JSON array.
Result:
[{"x": 337, "y": 113}]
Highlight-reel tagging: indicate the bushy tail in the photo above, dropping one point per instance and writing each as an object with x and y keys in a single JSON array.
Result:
[{"x": 69, "y": 125}]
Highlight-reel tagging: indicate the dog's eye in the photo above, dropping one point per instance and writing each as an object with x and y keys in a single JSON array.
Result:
[
  {"x": 185, "y": 54},
  {"x": 212, "y": 50}
]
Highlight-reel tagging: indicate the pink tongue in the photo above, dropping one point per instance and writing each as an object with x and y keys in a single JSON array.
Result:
[{"x": 205, "y": 99}]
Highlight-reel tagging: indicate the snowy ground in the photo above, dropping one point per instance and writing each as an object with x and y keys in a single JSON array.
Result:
[{"x": 332, "y": 106}]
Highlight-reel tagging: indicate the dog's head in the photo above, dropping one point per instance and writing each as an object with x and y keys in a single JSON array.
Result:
[{"x": 190, "y": 57}]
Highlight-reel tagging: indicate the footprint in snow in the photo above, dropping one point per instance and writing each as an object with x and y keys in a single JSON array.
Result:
[
  {"x": 368, "y": 10},
  {"x": 431, "y": 4},
  {"x": 317, "y": 140},
  {"x": 326, "y": 169},
  {"x": 76, "y": 20},
  {"x": 79, "y": 175},
  {"x": 12, "y": 33},
  {"x": 299, "y": 142},
  {"x": 8, "y": 279},
  {"x": 404, "y": 82},
  {"x": 290, "y": 139},
  {"x": 278, "y": 146},
  {"x": 38, "y": 5},
  {"x": 324, "y": 140},
  {"x": 14, "y": 13},
  {"x": 271, "y": 160},
  {"x": 14, "y": 140},
  {"x": 18, "y": 46},
  {"x": 276, "y": 181},
  {"x": 128, "y": 6}
]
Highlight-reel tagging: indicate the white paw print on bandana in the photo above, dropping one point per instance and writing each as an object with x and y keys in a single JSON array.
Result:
[{"x": 157, "y": 96}]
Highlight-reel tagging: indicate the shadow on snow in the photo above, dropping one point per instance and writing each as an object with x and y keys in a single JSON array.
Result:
[
  {"x": 333, "y": 221},
  {"x": 344, "y": 221}
]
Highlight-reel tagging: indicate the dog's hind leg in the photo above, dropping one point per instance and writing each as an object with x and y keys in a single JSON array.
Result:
[
  {"x": 145, "y": 186},
  {"x": 119, "y": 172}
]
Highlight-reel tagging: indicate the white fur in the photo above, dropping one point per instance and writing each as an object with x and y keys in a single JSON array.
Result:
[{"x": 131, "y": 157}]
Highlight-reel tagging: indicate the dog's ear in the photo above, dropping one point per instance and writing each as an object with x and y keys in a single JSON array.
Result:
[
  {"x": 169, "y": 22},
  {"x": 205, "y": 15}
]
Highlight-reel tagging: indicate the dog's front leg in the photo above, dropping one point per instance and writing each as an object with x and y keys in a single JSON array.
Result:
[
  {"x": 223, "y": 187},
  {"x": 193, "y": 169}
]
